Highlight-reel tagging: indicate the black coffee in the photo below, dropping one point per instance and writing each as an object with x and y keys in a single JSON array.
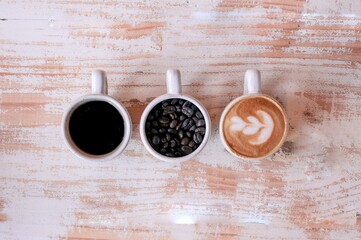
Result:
[
  {"x": 96, "y": 127},
  {"x": 175, "y": 127}
]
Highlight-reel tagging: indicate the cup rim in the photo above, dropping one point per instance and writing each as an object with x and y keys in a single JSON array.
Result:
[
  {"x": 89, "y": 98},
  {"x": 156, "y": 101},
  {"x": 230, "y": 105}
]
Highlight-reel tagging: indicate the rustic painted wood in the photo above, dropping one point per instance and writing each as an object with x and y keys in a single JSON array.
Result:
[{"x": 309, "y": 55}]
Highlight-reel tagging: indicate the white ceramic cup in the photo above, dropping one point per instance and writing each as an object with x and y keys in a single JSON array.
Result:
[
  {"x": 174, "y": 91},
  {"x": 99, "y": 93},
  {"x": 252, "y": 87}
]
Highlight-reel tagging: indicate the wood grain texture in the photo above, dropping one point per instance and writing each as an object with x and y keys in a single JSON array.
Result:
[{"x": 309, "y": 55}]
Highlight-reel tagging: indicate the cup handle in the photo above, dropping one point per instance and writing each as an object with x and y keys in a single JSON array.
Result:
[
  {"x": 174, "y": 81},
  {"x": 99, "y": 82},
  {"x": 252, "y": 81}
]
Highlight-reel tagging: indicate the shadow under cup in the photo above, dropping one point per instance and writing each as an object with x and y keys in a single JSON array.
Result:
[{"x": 253, "y": 126}]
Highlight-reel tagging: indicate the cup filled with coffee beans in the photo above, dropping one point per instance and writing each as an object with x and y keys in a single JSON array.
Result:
[
  {"x": 174, "y": 127},
  {"x": 96, "y": 126},
  {"x": 254, "y": 125}
]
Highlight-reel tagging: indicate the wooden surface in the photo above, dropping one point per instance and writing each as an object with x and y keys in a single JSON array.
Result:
[{"x": 309, "y": 53}]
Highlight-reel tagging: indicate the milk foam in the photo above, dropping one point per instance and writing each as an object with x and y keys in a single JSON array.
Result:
[{"x": 254, "y": 126}]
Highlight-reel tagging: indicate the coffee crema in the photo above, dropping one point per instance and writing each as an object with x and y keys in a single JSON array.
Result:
[{"x": 254, "y": 126}]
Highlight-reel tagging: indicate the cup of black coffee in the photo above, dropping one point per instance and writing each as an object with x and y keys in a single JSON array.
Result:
[
  {"x": 174, "y": 127},
  {"x": 96, "y": 126}
]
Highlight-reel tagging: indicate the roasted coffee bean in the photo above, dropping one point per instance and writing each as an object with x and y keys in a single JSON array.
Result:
[
  {"x": 181, "y": 102},
  {"x": 165, "y": 104},
  {"x": 163, "y": 139},
  {"x": 150, "y": 117},
  {"x": 164, "y": 120},
  {"x": 169, "y": 109},
  {"x": 155, "y": 124},
  {"x": 154, "y": 131},
  {"x": 185, "y": 123},
  {"x": 174, "y": 101},
  {"x": 187, "y": 150},
  {"x": 187, "y": 111},
  {"x": 193, "y": 128},
  {"x": 199, "y": 114},
  {"x": 185, "y": 141},
  {"x": 178, "y": 108},
  {"x": 197, "y": 138},
  {"x": 181, "y": 134},
  {"x": 157, "y": 113},
  {"x": 195, "y": 119},
  {"x": 182, "y": 118},
  {"x": 191, "y": 144},
  {"x": 172, "y": 131},
  {"x": 162, "y": 130},
  {"x": 173, "y": 123},
  {"x": 164, "y": 124},
  {"x": 155, "y": 140},
  {"x": 188, "y": 134},
  {"x": 165, "y": 145},
  {"x": 173, "y": 115},
  {"x": 200, "y": 123},
  {"x": 172, "y": 143},
  {"x": 168, "y": 136},
  {"x": 178, "y": 126},
  {"x": 169, "y": 154},
  {"x": 148, "y": 125},
  {"x": 189, "y": 125},
  {"x": 200, "y": 130},
  {"x": 191, "y": 122},
  {"x": 186, "y": 104},
  {"x": 163, "y": 151}
]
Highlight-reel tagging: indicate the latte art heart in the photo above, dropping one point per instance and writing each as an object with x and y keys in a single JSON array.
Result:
[{"x": 254, "y": 126}]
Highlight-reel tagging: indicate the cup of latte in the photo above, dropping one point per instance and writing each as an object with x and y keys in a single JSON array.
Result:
[
  {"x": 96, "y": 126},
  {"x": 174, "y": 127},
  {"x": 254, "y": 125}
]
